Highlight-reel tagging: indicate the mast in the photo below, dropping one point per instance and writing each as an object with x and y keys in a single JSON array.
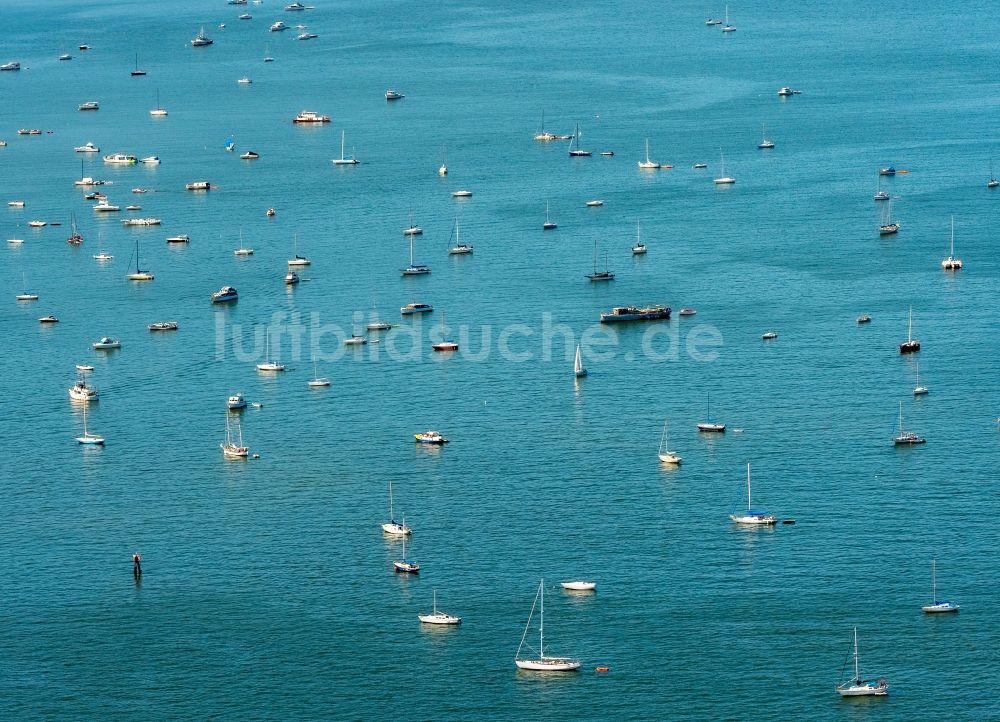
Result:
[
  {"x": 391, "y": 517},
  {"x": 933, "y": 561},
  {"x": 541, "y": 620},
  {"x": 909, "y": 334},
  {"x": 411, "y": 249},
  {"x": 435, "y": 598},
  {"x": 900, "y": 418},
  {"x": 595, "y": 258},
  {"x": 857, "y": 674},
  {"x": 342, "y": 144},
  {"x": 748, "y": 486},
  {"x": 952, "y": 254}
]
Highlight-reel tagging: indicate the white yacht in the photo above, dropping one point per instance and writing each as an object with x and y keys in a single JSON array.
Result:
[
  {"x": 120, "y": 159},
  {"x": 436, "y": 617},
  {"x": 937, "y": 606},
  {"x": 269, "y": 365},
  {"x": 858, "y": 687},
  {"x": 393, "y": 527},
  {"x": 82, "y": 391},
  {"x": 106, "y": 342},
  {"x": 236, "y": 401},
  {"x": 752, "y": 517},
  {"x": 87, "y": 147},
  {"x": 579, "y": 586},
  {"x": 543, "y": 662}
]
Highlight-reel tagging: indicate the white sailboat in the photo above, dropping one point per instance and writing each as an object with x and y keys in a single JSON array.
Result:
[
  {"x": 906, "y": 438},
  {"x": 159, "y": 111},
  {"x": 392, "y": 526},
  {"x": 231, "y": 449},
  {"x": 445, "y": 344},
  {"x": 437, "y": 617},
  {"x": 648, "y": 164},
  {"x": 344, "y": 159},
  {"x": 25, "y": 294},
  {"x": 992, "y": 182},
  {"x": 951, "y": 263},
  {"x": 548, "y": 225},
  {"x": 404, "y": 565},
  {"x": 920, "y": 389},
  {"x": 89, "y": 439},
  {"x": 667, "y": 456},
  {"x": 710, "y": 425},
  {"x": 858, "y": 687},
  {"x": 414, "y": 270},
  {"x": 139, "y": 274},
  {"x": 242, "y": 250},
  {"x": 639, "y": 248},
  {"x": 937, "y": 606},
  {"x": 765, "y": 142},
  {"x": 316, "y": 381},
  {"x": 578, "y": 370},
  {"x": 723, "y": 179},
  {"x": 296, "y": 259},
  {"x": 542, "y": 663},
  {"x": 267, "y": 364},
  {"x": 459, "y": 248},
  {"x": 727, "y": 28},
  {"x": 751, "y": 516}
]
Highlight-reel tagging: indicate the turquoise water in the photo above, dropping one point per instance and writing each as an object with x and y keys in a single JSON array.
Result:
[{"x": 268, "y": 589}]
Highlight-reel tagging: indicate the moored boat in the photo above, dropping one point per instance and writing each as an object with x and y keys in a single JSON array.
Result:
[{"x": 634, "y": 313}]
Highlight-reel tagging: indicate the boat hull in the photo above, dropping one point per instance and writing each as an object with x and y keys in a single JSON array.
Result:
[
  {"x": 549, "y": 664},
  {"x": 439, "y": 618}
]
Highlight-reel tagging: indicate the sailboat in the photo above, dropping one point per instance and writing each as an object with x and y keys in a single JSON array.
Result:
[
  {"x": 667, "y": 456},
  {"x": 230, "y": 144},
  {"x": 857, "y": 687},
  {"x": 159, "y": 111},
  {"x": 548, "y": 225},
  {"x": 920, "y": 389},
  {"x": 906, "y": 438},
  {"x": 242, "y": 250},
  {"x": 577, "y": 152},
  {"x": 437, "y": 617},
  {"x": 888, "y": 226},
  {"x": 910, "y": 345},
  {"x": 136, "y": 71},
  {"x": 268, "y": 364},
  {"x": 316, "y": 381},
  {"x": 139, "y": 274},
  {"x": 648, "y": 164},
  {"x": 543, "y": 135},
  {"x": 412, "y": 270},
  {"x": 25, "y": 294},
  {"x": 267, "y": 54},
  {"x": 296, "y": 259},
  {"x": 344, "y": 159},
  {"x": 377, "y": 324},
  {"x": 880, "y": 195},
  {"x": 727, "y": 28},
  {"x": 937, "y": 606},
  {"x": 951, "y": 263},
  {"x": 723, "y": 179},
  {"x": 765, "y": 142},
  {"x": 89, "y": 439},
  {"x": 578, "y": 370},
  {"x": 751, "y": 516},
  {"x": 404, "y": 565},
  {"x": 392, "y": 526},
  {"x": 412, "y": 229},
  {"x": 604, "y": 275},
  {"x": 231, "y": 449},
  {"x": 542, "y": 663},
  {"x": 992, "y": 182},
  {"x": 445, "y": 344},
  {"x": 459, "y": 248},
  {"x": 710, "y": 425},
  {"x": 75, "y": 237},
  {"x": 639, "y": 248}
]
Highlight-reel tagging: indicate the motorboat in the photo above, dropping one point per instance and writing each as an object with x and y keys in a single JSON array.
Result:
[
  {"x": 87, "y": 182},
  {"x": 393, "y": 95},
  {"x": 309, "y": 116},
  {"x": 105, "y": 343},
  {"x": 201, "y": 40},
  {"x": 198, "y": 186},
  {"x": 15, "y": 204},
  {"x": 769, "y": 335},
  {"x": 236, "y": 401},
  {"x": 37, "y": 224},
  {"x": 436, "y": 617},
  {"x": 48, "y": 319},
  {"x": 244, "y": 80},
  {"x": 461, "y": 194},
  {"x": 104, "y": 207},
  {"x": 84, "y": 368},
  {"x": 414, "y": 308},
  {"x": 29, "y": 131},
  {"x": 12, "y": 65},
  {"x": 82, "y": 391},
  {"x": 87, "y": 147},
  {"x": 306, "y": 36},
  {"x": 120, "y": 159},
  {"x": 163, "y": 326},
  {"x": 226, "y": 294},
  {"x": 89, "y": 105},
  {"x": 378, "y": 326},
  {"x": 356, "y": 340},
  {"x": 179, "y": 238},
  {"x": 250, "y": 155},
  {"x": 864, "y": 318},
  {"x": 141, "y": 221},
  {"x": 151, "y": 160},
  {"x": 595, "y": 204},
  {"x": 294, "y": 7},
  {"x": 430, "y": 437},
  {"x": 278, "y": 26},
  {"x": 291, "y": 278},
  {"x": 133, "y": 207},
  {"x": 633, "y": 313},
  {"x": 579, "y": 586},
  {"x": 104, "y": 256},
  {"x": 890, "y": 170},
  {"x": 785, "y": 91},
  {"x": 245, "y": 16}
]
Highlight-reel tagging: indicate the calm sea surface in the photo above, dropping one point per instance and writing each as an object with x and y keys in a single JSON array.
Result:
[{"x": 268, "y": 589}]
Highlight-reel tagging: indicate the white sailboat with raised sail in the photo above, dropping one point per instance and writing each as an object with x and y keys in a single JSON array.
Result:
[
  {"x": 667, "y": 456},
  {"x": 752, "y": 516},
  {"x": 139, "y": 274},
  {"x": 578, "y": 370},
  {"x": 393, "y": 527},
  {"x": 937, "y": 606},
  {"x": 542, "y": 663},
  {"x": 344, "y": 159},
  {"x": 858, "y": 687},
  {"x": 436, "y": 617}
]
